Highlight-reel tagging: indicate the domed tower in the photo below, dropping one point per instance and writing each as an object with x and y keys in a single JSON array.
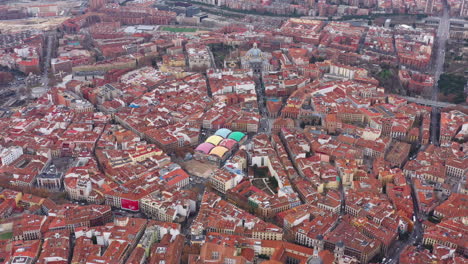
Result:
[
  {"x": 256, "y": 60},
  {"x": 315, "y": 258},
  {"x": 339, "y": 251},
  {"x": 320, "y": 243}
]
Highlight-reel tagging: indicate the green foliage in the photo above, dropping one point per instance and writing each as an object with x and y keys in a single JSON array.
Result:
[
  {"x": 201, "y": 3},
  {"x": 374, "y": 16},
  {"x": 385, "y": 74},
  {"x": 403, "y": 236},
  {"x": 253, "y": 12},
  {"x": 429, "y": 247},
  {"x": 221, "y": 13},
  {"x": 6, "y": 236},
  {"x": 351, "y": 17},
  {"x": 274, "y": 183},
  {"x": 450, "y": 84},
  {"x": 174, "y": 29},
  {"x": 220, "y": 51},
  {"x": 260, "y": 172},
  {"x": 125, "y": 2},
  {"x": 421, "y": 16},
  {"x": 314, "y": 59},
  {"x": 433, "y": 219},
  {"x": 263, "y": 256}
]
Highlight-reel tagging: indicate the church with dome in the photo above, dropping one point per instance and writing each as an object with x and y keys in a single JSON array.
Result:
[{"x": 256, "y": 60}]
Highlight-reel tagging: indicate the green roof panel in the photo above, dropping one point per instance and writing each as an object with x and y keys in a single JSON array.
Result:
[{"x": 237, "y": 136}]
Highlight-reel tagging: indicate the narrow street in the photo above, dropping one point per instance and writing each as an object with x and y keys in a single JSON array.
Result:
[
  {"x": 343, "y": 199},
  {"x": 213, "y": 62},
  {"x": 435, "y": 119},
  {"x": 45, "y": 76},
  {"x": 265, "y": 122},
  {"x": 416, "y": 236}
]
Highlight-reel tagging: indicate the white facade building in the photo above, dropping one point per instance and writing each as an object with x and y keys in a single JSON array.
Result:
[{"x": 9, "y": 155}]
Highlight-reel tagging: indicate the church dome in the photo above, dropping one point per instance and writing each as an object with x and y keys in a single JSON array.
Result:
[{"x": 254, "y": 52}]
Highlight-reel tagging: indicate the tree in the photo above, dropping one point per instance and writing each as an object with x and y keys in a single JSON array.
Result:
[
  {"x": 274, "y": 183},
  {"x": 264, "y": 256},
  {"x": 429, "y": 247},
  {"x": 453, "y": 86}
]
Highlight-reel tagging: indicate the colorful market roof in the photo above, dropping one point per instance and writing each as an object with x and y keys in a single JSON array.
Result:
[
  {"x": 223, "y": 132},
  {"x": 214, "y": 140},
  {"x": 219, "y": 151},
  {"x": 228, "y": 143},
  {"x": 237, "y": 136},
  {"x": 205, "y": 147}
]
